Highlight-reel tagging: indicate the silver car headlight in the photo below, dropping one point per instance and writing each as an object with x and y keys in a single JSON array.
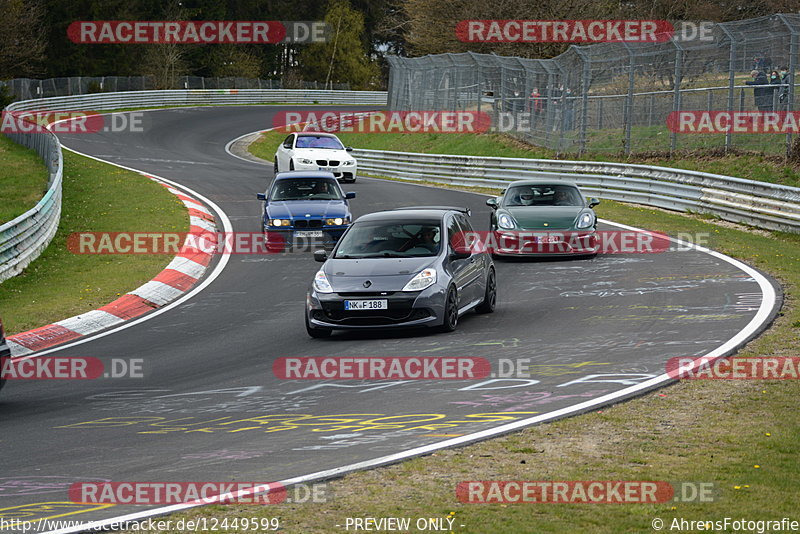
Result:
[
  {"x": 305, "y": 161},
  {"x": 586, "y": 220},
  {"x": 321, "y": 284},
  {"x": 349, "y": 163},
  {"x": 423, "y": 279},
  {"x": 505, "y": 221}
]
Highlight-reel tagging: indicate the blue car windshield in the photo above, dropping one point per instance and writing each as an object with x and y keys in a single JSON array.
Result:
[
  {"x": 384, "y": 239},
  {"x": 318, "y": 141},
  {"x": 542, "y": 195},
  {"x": 305, "y": 189}
]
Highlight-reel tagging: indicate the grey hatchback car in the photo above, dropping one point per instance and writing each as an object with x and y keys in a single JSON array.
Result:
[{"x": 407, "y": 267}]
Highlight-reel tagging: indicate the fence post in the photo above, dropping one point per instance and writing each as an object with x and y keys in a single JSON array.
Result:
[
  {"x": 792, "y": 67},
  {"x": 731, "y": 79},
  {"x": 676, "y": 95},
  {"x": 628, "y": 115},
  {"x": 587, "y": 73}
]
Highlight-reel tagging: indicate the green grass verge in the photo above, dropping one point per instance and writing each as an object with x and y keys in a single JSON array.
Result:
[
  {"x": 23, "y": 179},
  {"x": 752, "y": 166},
  {"x": 97, "y": 197}
]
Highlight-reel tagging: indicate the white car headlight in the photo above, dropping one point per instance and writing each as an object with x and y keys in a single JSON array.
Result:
[
  {"x": 505, "y": 221},
  {"x": 585, "y": 220},
  {"x": 423, "y": 279},
  {"x": 321, "y": 284},
  {"x": 280, "y": 222},
  {"x": 338, "y": 221},
  {"x": 350, "y": 162},
  {"x": 305, "y": 161}
]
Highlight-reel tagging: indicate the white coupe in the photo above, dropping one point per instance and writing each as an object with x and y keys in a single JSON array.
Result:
[{"x": 313, "y": 151}]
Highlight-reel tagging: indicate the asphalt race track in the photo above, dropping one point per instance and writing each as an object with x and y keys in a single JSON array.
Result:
[{"x": 210, "y": 409}]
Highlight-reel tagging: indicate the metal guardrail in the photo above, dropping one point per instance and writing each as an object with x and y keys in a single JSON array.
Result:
[
  {"x": 23, "y": 239},
  {"x": 200, "y": 97},
  {"x": 759, "y": 204}
]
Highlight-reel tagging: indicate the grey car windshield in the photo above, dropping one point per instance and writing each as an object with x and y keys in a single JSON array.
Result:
[
  {"x": 391, "y": 240},
  {"x": 306, "y": 189},
  {"x": 542, "y": 195},
  {"x": 318, "y": 141}
]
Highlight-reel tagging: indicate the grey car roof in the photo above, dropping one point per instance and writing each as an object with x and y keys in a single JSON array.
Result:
[
  {"x": 405, "y": 215},
  {"x": 304, "y": 174}
]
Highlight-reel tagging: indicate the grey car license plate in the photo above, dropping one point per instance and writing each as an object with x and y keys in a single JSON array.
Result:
[{"x": 373, "y": 304}]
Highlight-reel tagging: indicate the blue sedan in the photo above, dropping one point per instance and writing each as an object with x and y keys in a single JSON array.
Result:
[{"x": 304, "y": 208}]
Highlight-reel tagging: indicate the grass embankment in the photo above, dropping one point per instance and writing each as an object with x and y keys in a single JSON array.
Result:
[
  {"x": 98, "y": 197},
  {"x": 23, "y": 179},
  {"x": 744, "y": 436},
  {"x": 743, "y": 165}
]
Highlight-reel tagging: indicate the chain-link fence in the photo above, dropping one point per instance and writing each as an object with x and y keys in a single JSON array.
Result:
[
  {"x": 27, "y": 89},
  {"x": 617, "y": 97}
]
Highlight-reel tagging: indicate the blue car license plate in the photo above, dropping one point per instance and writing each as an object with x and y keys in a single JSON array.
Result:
[{"x": 374, "y": 304}]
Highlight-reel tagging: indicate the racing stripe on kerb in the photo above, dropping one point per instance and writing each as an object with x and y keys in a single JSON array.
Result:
[{"x": 182, "y": 273}]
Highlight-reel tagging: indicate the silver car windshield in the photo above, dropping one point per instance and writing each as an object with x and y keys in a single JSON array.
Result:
[
  {"x": 542, "y": 195},
  {"x": 305, "y": 189},
  {"x": 390, "y": 240}
]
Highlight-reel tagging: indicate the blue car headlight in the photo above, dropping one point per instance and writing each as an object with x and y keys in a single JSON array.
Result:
[{"x": 585, "y": 220}]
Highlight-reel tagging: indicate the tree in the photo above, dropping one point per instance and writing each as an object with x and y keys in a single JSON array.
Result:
[
  {"x": 343, "y": 58},
  {"x": 22, "y": 40},
  {"x": 235, "y": 60}
]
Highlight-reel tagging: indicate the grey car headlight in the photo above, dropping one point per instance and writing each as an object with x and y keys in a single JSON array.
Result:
[
  {"x": 423, "y": 279},
  {"x": 585, "y": 220},
  {"x": 321, "y": 284},
  {"x": 505, "y": 221}
]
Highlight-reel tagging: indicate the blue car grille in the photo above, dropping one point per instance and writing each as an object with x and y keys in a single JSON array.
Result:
[{"x": 308, "y": 223}]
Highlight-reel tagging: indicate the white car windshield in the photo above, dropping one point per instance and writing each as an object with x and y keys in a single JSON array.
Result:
[
  {"x": 318, "y": 141},
  {"x": 305, "y": 189},
  {"x": 390, "y": 240}
]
